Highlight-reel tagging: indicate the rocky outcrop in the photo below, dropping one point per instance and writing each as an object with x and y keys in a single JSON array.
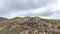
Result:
[{"x": 27, "y": 25}]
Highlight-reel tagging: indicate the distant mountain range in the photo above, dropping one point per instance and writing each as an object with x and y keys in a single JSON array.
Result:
[{"x": 1, "y": 18}]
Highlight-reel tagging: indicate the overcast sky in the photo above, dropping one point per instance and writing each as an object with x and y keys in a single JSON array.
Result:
[{"x": 42, "y": 8}]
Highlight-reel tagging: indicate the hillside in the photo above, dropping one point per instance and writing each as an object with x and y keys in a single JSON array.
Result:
[{"x": 29, "y": 25}]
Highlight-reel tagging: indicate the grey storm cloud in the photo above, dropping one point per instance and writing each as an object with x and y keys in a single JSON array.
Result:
[
  {"x": 27, "y": 4},
  {"x": 11, "y": 8}
]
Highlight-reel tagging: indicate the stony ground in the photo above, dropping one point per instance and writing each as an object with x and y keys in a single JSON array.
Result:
[{"x": 29, "y": 25}]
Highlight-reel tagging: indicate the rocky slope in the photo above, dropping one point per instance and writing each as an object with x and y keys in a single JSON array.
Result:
[{"x": 29, "y": 25}]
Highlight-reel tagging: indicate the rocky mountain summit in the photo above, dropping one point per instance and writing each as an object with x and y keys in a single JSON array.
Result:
[{"x": 29, "y": 25}]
